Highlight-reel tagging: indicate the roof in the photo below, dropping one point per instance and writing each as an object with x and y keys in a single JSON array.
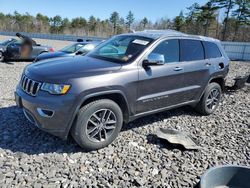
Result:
[{"x": 156, "y": 34}]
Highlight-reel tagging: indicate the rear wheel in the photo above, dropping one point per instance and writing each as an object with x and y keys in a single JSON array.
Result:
[
  {"x": 1, "y": 57},
  {"x": 97, "y": 124},
  {"x": 210, "y": 99}
]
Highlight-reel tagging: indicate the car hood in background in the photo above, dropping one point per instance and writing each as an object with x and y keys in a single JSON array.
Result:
[
  {"x": 2, "y": 47},
  {"x": 61, "y": 69},
  {"x": 52, "y": 55}
]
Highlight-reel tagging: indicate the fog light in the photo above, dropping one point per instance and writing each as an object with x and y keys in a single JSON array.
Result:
[{"x": 45, "y": 112}]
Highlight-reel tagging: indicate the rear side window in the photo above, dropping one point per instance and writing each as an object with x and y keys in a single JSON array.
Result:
[
  {"x": 211, "y": 50},
  {"x": 191, "y": 50},
  {"x": 169, "y": 49}
]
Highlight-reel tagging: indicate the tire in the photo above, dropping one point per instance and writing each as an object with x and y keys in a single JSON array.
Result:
[
  {"x": 210, "y": 99},
  {"x": 86, "y": 127},
  {"x": 1, "y": 57}
]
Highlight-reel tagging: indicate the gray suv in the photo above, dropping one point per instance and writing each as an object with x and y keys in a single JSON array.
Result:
[{"x": 127, "y": 77}]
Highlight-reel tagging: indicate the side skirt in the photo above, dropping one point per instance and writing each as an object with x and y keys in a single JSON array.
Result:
[{"x": 136, "y": 116}]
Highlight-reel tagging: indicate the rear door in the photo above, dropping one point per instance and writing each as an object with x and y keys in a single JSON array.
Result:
[
  {"x": 214, "y": 56},
  {"x": 196, "y": 68},
  {"x": 161, "y": 86}
]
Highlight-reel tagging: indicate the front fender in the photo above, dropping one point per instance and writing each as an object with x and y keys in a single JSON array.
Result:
[{"x": 83, "y": 97}]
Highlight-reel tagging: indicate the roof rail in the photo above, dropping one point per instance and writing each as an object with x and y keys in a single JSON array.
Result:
[{"x": 162, "y": 31}]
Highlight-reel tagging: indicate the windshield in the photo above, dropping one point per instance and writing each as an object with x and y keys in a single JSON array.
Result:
[
  {"x": 6, "y": 42},
  {"x": 121, "y": 49},
  {"x": 72, "y": 48}
]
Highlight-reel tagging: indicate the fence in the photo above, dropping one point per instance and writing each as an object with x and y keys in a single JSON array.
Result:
[
  {"x": 234, "y": 50},
  {"x": 52, "y": 36},
  {"x": 237, "y": 50}
]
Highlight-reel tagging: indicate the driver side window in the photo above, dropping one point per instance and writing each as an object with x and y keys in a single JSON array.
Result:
[{"x": 169, "y": 49}]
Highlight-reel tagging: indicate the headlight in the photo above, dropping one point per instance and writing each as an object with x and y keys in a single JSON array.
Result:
[{"x": 58, "y": 89}]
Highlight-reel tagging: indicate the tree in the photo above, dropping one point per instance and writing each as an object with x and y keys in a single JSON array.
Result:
[
  {"x": 65, "y": 24},
  {"x": 130, "y": 19},
  {"x": 56, "y": 23},
  {"x": 193, "y": 19},
  {"x": 114, "y": 19},
  {"x": 207, "y": 15},
  {"x": 242, "y": 15},
  {"x": 228, "y": 5},
  {"x": 200, "y": 20},
  {"x": 78, "y": 22},
  {"x": 144, "y": 22},
  {"x": 42, "y": 23},
  {"x": 92, "y": 24},
  {"x": 163, "y": 23},
  {"x": 179, "y": 21}
]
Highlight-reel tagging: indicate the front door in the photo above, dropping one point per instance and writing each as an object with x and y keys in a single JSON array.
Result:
[{"x": 161, "y": 86}]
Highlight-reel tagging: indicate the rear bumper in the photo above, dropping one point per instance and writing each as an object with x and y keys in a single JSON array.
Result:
[{"x": 52, "y": 114}]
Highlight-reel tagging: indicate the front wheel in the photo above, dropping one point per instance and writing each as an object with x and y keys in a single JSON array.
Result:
[
  {"x": 1, "y": 57},
  {"x": 98, "y": 124},
  {"x": 210, "y": 99}
]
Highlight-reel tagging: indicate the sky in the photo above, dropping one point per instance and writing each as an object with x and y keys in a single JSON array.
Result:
[{"x": 152, "y": 9}]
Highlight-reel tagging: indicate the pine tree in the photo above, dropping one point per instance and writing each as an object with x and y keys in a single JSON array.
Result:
[
  {"x": 242, "y": 15},
  {"x": 144, "y": 22},
  {"x": 193, "y": 19},
  {"x": 228, "y": 5},
  {"x": 130, "y": 19},
  {"x": 207, "y": 15},
  {"x": 114, "y": 19},
  {"x": 179, "y": 22}
]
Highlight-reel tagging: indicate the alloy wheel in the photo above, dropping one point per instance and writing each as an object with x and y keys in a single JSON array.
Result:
[
  {"x": 1, "y": 56},
  {"x": 101, "y": 125},
  {"x": 213, "y": 99}
]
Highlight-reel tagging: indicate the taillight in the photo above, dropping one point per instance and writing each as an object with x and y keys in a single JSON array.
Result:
[{"x": 51, "y": 50}]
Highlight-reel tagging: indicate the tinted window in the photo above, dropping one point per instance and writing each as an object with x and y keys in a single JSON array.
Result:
[
  {"x": 191, "y": 50},
  {"x": 169, "y": 49},
  {"x": 211, "y": 50}
]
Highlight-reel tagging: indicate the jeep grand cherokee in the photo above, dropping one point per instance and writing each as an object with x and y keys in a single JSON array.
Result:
[{"x": 126, "y": 77}]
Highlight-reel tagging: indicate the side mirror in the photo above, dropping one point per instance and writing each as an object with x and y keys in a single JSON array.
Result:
[
  {"x": 79, "y": 52},
  {"x": 154, "y": 59}
]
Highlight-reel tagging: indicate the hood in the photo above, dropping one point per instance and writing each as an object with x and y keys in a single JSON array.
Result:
[
  {"x": 49, "y": 55},
  {"x": 61, "y": 69}
]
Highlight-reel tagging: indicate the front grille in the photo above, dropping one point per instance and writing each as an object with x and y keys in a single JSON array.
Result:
[{"x": 29, "y": 86}]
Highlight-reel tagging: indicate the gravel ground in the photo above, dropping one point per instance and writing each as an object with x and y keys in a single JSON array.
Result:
[{"x": 137, "y": 158}]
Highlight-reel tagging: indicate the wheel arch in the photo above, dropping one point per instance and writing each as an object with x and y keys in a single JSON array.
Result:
[
  {"x": 114, "y": 95},
  {"x": 219, "y": 80}
]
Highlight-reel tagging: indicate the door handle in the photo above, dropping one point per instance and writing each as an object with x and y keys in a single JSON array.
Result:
[
  {"x": 208, "y": 64},
  {"x": 178, "y": 69}
]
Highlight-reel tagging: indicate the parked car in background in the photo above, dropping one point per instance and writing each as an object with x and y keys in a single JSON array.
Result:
[
  {"x": 78, "y": 48},
  {"x": 127, "y": 77},
  {"x": 23, "y": 49}
]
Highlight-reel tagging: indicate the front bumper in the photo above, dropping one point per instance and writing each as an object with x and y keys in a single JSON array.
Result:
[{"x": 59, "y": 111}]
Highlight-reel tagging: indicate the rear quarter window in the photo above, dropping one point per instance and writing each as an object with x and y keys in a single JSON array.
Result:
[
  {"x": 211, "y": 50},
  {"x": 191, "y": 50}
]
